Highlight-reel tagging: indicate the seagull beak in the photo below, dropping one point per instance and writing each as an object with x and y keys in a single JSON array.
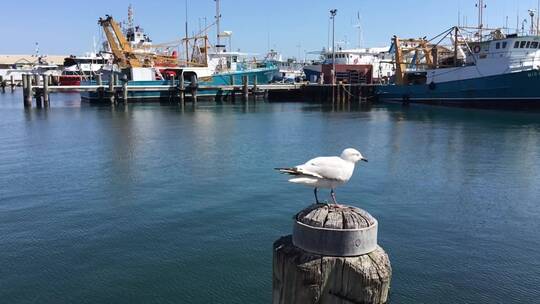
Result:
[{"x": 365, "y": 159}]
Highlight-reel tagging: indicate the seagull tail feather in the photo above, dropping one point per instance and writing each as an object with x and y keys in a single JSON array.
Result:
[{"x": 291, "y": 171}]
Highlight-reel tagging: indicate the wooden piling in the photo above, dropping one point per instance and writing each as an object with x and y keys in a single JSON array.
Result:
[
  {"x": 2, "y": 84},
  {"x": 255, "y": 89},
  {"x": 125, "y": 89},
  {"x": 111, "y": 88},
  {"x": 194, "y": 87},
  {"x": 181, "y": 88},
  {"x": 245, "y": 88},
  {"x": 332, "y": 257},
  {"x": 46, "y": 79},
  {"x": 99, "y": 82},
  {"x": 12, "y": 82},
  {"x": 233, "y": 91},
  {"x": 29, "y": 91}
]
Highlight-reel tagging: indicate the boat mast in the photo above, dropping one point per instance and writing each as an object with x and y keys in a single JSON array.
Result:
[
  {"x": 187, "y": 38},
  {"x": 481, "y": 7},
  {"x": 218, "y": 17}
]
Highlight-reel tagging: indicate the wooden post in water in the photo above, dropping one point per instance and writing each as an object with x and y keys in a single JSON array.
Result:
[
  {"x": 332, "y": 257},
  {"x": 233, "y": 91},
  {"x": 173, "y": 90},
  {"x": 2, "y": 84},
  {"x": 12, "y": 81},
  {"x": 24, "y": 85},
  {"x": 125, "y": 89},
  {"x": 194, "y": 85},
  {"x": 29, "y": 91},
  {"x": 255, "y": 89},
  {"x": 245, "y": 88},
  {"x": 46, "y": 90},
  {"x": 99, "y": 82},
  {"x": 182, "y": 88},
  {"x": 111, "y": 88}
]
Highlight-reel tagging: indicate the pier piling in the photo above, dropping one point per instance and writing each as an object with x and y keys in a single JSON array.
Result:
[
  {"x": 181, "y": 88},
  {"x": 194, "y": 86},
  {"x": 332, "y": 257},
  {"x": 28, "y": 91},
  {"x": 111, "y": 88},
  {"x": 12, "y": 82},
  {"x": 99, "y": 82},
  {"x": 125, "y": 89},
  {"x": 2, "y": 84},
  {"x": 245, "y": 88},
  {"x": 46, "y": 79}
]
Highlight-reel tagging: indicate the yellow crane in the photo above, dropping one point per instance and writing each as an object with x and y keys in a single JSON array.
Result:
[
  {"x": 123, "y": 53},
  {"x": 405, "y": 46},
  {"x": 120, "y": 47}
]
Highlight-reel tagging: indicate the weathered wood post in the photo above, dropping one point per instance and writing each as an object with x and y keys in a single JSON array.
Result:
[
  {"x": 99, "y": 82},
  {"x": 194, "y": 86},
  {"x": 29, "y": 91},
  {"x": 46, "y": 90},
  {"x": 245, "y": 88},
  {"x": 2, "y": 84},
  {"x": 172, "y": 90},
  {"x": 254, "y": 89},
  {"x": 125, "y": 88},
  {"x": 233, "y": 91},
  {"x": 332, "y": 257},
  {"x": 24, "y": 89},
  {"x": 181, "y": 88},
  {"x": 111, "y": 88},
  {"x": 12, "y": 83}
]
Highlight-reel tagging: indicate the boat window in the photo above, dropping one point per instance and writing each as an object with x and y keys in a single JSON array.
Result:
[
  {"x": 504, "y": 44},
  {"x": 522, "y": 44},
  {"x": 498, "y": 45},
  {"x": 534, "y": 44},
  {"x": 516, "y": 44},
  {"x": 528, "y": 44}
]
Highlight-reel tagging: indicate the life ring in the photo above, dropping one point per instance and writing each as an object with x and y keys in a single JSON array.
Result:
[{"x": 476, "y": 49}]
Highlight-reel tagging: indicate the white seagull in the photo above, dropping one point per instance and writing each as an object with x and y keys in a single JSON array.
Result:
[{"x": 325, "y": 172}]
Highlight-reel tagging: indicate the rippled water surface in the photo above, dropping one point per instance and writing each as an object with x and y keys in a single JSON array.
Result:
[{"x": 163, "y": 204}]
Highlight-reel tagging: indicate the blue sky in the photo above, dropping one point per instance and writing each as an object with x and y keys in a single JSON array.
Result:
[{"x": 292, "y": 27}]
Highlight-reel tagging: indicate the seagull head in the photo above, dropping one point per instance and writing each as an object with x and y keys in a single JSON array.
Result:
[{"x": 352, "y": 155}]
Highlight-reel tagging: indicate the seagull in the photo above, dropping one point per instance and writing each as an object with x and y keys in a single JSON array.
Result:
[{"x": 325, "y": 172}]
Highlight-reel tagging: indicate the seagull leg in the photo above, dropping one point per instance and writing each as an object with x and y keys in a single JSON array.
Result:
[
  {"x": 333, "y": 194},
  {"x": 316, "y": 198}
]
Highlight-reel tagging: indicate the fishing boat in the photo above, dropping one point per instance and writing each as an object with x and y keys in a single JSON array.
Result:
[
  {"x": 290, "y": 69},
  {"x": 378, "y": 57},
  {"x": 201, "y": 63},
  {"x": 478, "y": 70}
]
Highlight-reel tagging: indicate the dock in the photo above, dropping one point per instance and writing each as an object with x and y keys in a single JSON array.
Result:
[{"x": 37, "y": 88}]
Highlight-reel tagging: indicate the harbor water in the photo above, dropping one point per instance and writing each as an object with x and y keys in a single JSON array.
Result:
[{"x": 154, "y": 203}]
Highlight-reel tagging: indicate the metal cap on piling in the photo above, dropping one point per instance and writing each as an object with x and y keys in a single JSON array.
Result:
[{"x": 335, "y": 231}]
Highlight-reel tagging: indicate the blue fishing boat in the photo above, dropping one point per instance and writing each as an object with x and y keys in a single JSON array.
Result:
[
  {"x": 144, "y": 65},
  {"x": 493, "y": 70}
]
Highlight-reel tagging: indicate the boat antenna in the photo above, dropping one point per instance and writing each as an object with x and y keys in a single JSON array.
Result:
[
  {"x": 481, "y": 6},
  {"x": 359, "y": 27},
  {"x": 130, "y": 17},
  {"x": 531, "y": 14}
]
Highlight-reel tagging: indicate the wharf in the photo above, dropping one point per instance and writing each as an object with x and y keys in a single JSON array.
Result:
[{"x": 114, "y": 91}]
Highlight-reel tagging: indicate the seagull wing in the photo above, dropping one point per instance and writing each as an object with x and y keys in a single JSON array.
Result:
[{"x": 333, "y": 168}]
